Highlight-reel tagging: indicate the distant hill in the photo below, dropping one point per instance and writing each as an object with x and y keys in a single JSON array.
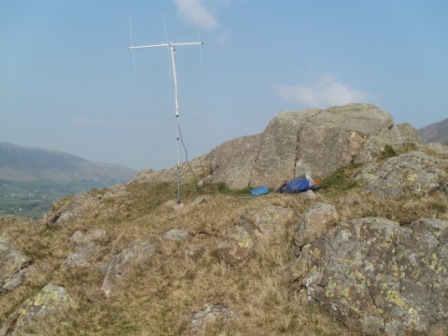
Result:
[
  {"x": 32, "y": 179},
  {"x": 24, "y": 164},
  {"x": 437, "y": 132}
]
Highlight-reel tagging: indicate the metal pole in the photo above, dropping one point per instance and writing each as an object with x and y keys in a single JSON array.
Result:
[{"x": 176, "y": 110}]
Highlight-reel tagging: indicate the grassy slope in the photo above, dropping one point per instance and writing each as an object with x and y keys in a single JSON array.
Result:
[{"x": 160, "y": 297}]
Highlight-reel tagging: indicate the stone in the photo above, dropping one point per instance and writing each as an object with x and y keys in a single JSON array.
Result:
[
  {"x": 89, "y": 249},
  {"x": 212, "y": 313},
  {"x": 379, "y": 277},
  {"x": 73, "y": 210},
  {"x": 50, "y": 301},
  {"x": 413, "y": 174},
  {"x": 236, "y": 247},
  {"x": 312, "y": 141},
  {"x": 266, "y": 219},
  {"x": 313, "y": 223},
  {"x": 175, "y": 234},
  {"x": 136, "y": 253},
  {"x": 12, "y": 265}
]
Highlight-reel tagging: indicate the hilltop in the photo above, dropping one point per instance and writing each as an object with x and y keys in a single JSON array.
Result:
[{"x": 364, "y": 255}]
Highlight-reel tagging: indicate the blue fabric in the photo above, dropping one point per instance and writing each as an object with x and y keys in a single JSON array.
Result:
[
  {"x": 297, "y": 185},
  {"x": 260, "y": 191}
]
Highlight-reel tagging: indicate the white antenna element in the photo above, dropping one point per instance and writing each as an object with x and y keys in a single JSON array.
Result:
[{"x": 172, "y": 47}]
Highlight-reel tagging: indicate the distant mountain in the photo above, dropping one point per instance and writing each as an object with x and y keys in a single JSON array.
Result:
[
  {"x": 24, "y": 164},
  {"x": 32, "y": 179},
  {"x": 437, "y": 132}
]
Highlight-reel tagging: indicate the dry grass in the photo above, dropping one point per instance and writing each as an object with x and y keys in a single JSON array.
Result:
[{"x": 159, "y": 298}]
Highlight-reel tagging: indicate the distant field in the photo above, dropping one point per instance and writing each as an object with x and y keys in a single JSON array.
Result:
[{"x": 34, "y": 199}]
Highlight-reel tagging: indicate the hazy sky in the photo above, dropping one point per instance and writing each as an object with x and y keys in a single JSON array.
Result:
[{"x": 68, "y": 81}]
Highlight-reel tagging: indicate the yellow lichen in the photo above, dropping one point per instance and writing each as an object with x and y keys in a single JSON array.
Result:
[{"x": 395, "y": 298}]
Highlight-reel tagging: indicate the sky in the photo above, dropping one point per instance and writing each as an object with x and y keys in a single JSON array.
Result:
[{"x": 68, "y": 81}]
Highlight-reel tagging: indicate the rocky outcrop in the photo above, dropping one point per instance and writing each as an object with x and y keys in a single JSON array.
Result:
[
  {"x": 311, "y": 141},
  {"x": 73, "y": 210},
  {"x": 12, "y": 265},
  {"x": 380, "y": 277},
  {"x": 50, "y": 301},
  {"x": 413, "y": 174},
  {"x": 136, "y": 253}
]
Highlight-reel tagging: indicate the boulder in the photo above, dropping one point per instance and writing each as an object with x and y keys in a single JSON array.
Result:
[
  {"x": 313, "y": 223},
  {"x": 232, "y": 162},
  {"x": 236, "y": 247},
  {"x": 265, "y": 220},
  {"x": 312, "y": 141},
  {"x": 412, "y": 174},
  {"x": 50, "y": 301},
  {"x": 12, "y": 265},
  {"x": 136, "y": 253},
  {"x": 379, "y": 277}
]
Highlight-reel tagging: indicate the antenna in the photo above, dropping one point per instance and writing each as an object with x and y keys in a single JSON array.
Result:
[{"x": 172, "y": 46}]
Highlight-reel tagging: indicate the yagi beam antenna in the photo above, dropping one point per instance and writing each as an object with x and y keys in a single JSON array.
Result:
[{"x": 172, "y": 47}]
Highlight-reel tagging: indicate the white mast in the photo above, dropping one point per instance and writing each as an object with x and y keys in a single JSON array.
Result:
[{"x": 172, "y": 47}]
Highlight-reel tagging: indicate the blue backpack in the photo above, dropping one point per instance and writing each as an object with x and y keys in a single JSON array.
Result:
[{"x": 297, "y": 185}]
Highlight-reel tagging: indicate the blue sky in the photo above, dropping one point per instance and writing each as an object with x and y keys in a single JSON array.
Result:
[{"x": 68, "y": 81}]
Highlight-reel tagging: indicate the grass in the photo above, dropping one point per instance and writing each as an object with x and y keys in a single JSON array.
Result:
[{"x": 159, "y": 298}]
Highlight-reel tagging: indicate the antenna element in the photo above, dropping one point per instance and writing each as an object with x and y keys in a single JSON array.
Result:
[{"x": 172, "y": 46}]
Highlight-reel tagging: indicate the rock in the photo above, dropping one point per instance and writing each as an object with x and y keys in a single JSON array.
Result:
[
  {"x": 50, "y": 301},
  {"x": 313, "y": 223},
  {"x": 266, "y": 219},
  {"x": 88, "y": 249},
  {"x": 12, "y": 265},
  {"x": 236, "y": 247},
  {"x": 73, "y": 210},
  {"x": 136, "y": 253},
  {"x": 176, "y": 235},
  {"x": 312, "y": 141},
  {"x": 212, "y": 313},
  {"x": 232, "y": 161},
  {"x": 411, "y": 174},
  {"x": 379, "y": 277}
]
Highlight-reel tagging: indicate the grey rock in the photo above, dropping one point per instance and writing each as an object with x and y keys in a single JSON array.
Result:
[
  {"x": 89, "y": 249},
  {"x": 312, "y": 141},
  {"x": 12, "y": 265},
  {"x": 175, "y": 234},
  {"x": 49, "y": 302},
  {"x": 136, "y": 253},
  {"x": 266, "y": 219},
  {"x": 212, "y": 313},
  {"x": 379, "y": 277},
  {"x": 411, "y": 174},
  {"x": 74, "y": 209},
  {"x": 313, "y": 223},
  {"x": 236, "y": 247}
]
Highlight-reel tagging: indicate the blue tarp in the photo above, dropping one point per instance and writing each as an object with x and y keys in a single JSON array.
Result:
[
  {"x": 300, "y": 184},
  {"x": 260, "y": 191}
]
